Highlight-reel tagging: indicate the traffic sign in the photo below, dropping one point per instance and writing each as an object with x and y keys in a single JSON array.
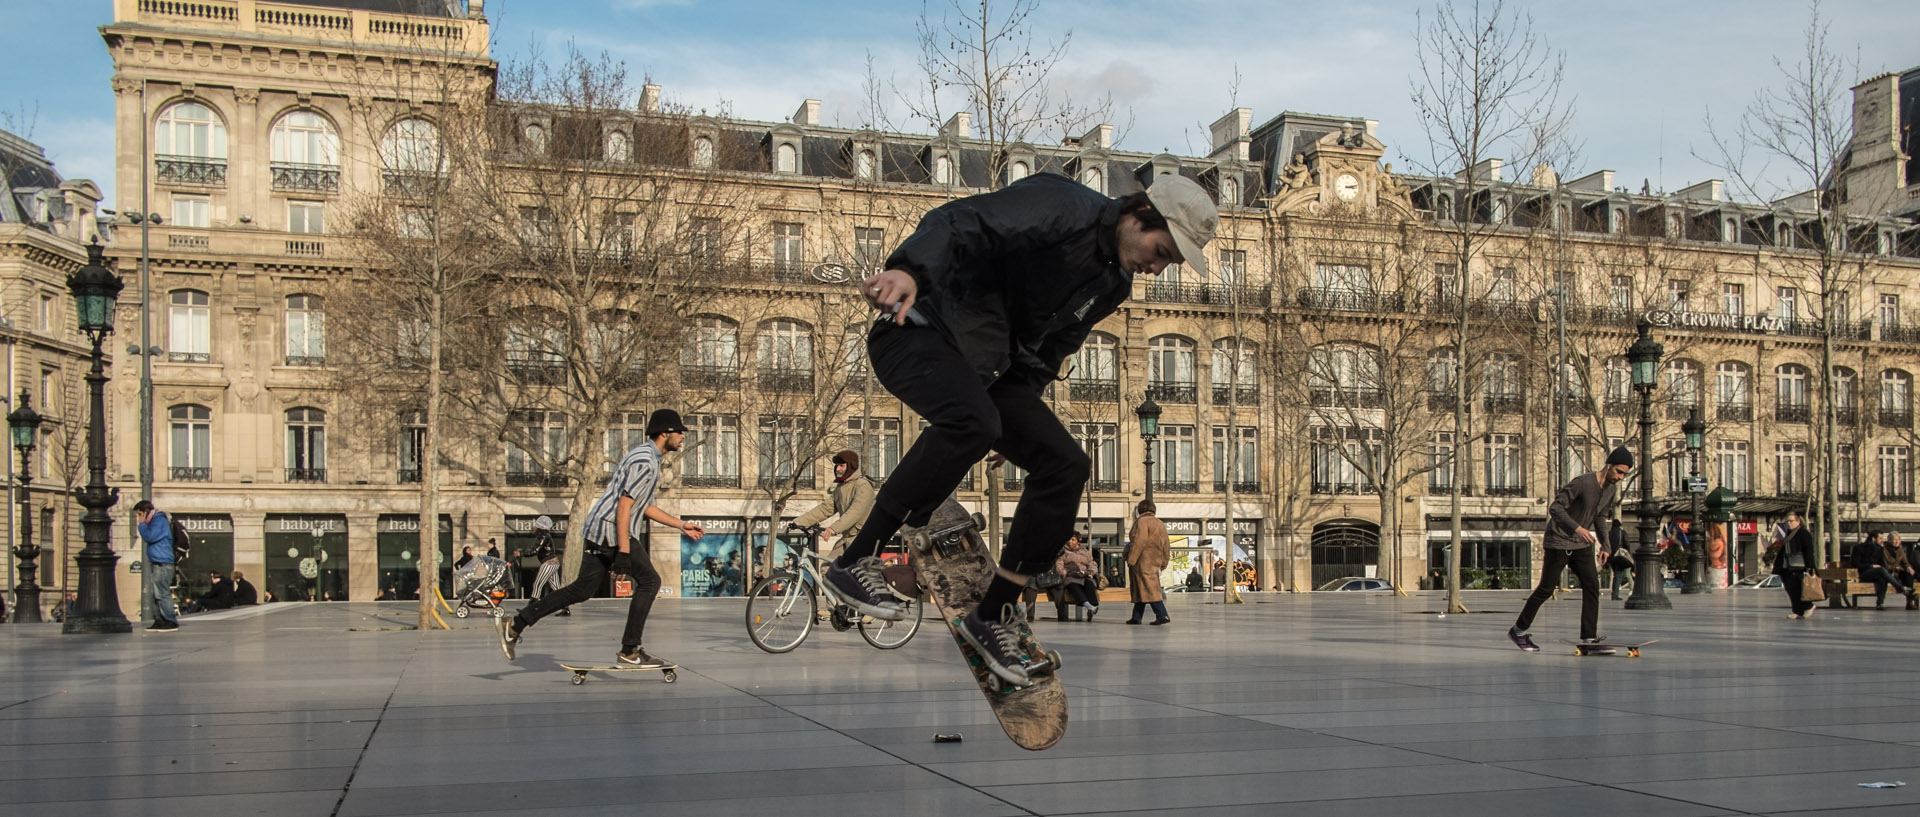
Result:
[{"x": 1696, "y": 485}]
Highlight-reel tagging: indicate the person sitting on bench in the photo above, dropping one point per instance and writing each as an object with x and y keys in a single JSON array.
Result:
[{"x": 1870, "y": 563}]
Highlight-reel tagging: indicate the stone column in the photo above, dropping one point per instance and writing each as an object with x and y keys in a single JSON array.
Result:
[
  {"x": 363, "y": 556},
  {"x": 250, "y": 547}
]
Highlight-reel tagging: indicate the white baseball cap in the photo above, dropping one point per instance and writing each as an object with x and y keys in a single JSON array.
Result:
[{"x": 1190, "y": 213}]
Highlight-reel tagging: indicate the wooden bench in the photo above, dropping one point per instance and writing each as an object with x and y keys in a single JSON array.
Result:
[{"x": 1844, "y": 588}]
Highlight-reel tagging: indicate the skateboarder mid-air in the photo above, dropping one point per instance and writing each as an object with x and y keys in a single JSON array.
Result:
[
  {"x": 1580, "y": 517},
  {"x": 981, "y": 305},
  {"x": 615, "y": 543}
]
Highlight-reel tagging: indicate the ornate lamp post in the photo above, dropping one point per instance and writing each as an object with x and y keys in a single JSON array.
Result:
[
  {"x": 95, "y": 289},
  {"x": 1149, "y": 414},
  {"x": 1649, "y": 591},
  {"x": 1696, "y": 431},
  {"x": 24, "y": 422}
]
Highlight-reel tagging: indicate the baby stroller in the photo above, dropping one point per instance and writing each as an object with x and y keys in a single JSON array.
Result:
[{"x": 482, "y": 586}]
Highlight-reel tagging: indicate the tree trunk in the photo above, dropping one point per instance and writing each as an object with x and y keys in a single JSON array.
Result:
[{"x": 430, "y": 472}]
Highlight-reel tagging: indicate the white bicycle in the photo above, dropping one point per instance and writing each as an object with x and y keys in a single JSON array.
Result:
[{"x": 782, "y": 608}]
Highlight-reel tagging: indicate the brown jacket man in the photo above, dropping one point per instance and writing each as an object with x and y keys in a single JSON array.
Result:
[
  {"x": 848, "y": 504},
  {"x": 1146, "y": 557}
]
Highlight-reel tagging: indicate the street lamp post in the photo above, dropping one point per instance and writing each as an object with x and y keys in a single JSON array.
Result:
[
  {"x": 1649, "y": 592},
  {"x": 24, "y": 422},
  {"x": 1149, "y": 414},
  {"x": 95, "y": 289},
  {"x": 1696, "y": 432}
]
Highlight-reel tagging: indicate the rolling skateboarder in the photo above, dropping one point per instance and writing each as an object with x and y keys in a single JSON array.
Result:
[
  {"x": 1580, "y": 517},
  {"x": 982, "y": 303},
  {"x": 614, "y": 524}
]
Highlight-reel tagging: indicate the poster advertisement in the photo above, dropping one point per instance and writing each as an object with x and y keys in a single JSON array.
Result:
[{"x": 713, "y": 565}]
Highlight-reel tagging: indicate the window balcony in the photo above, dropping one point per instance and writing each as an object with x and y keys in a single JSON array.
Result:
[
  {"x": 407, "y": 476},
  {"x": 1336, "y": 488},
  {"x": 1348, "y": 398},
  {"x": 1848, "y": 496},
  {"x": 1172, "y": 392},
  {"x": 1735, "y": 412},
  {"x": 306, "y": 360},
  {"x": 1442, "y": 402},
  {"x": 1895, "y": 333},
  {"x": 535, "y": 368},
  {"x": 187, "y": 473},
  {"x": 1220, "y": 487},
  {"x": 803, "y": 482},
  {"x": 189, "y": 357},
  {"x": 1096, "y": 391},
  {"x": 1680, "y": 411},
  {"x": 1338, "y": 299},
  {"x": 712, "y": 377},
  {"x": 306, "y": 475},
  {"x": 710, "y": 480},
  {"x": 1615, "y": 407},
  {"x": 1846, "y": 415},
  {"x": 190, "y": 170},
  {"x": 1506, "y": 404},
  {"x": 1506, "y": 490},
  {"x": 1204, "y": 294},
  {"x": 1242, "y": 395},
  {"x": 1104, "y": 486},
  {"x": 1897, "y": 497},
  {"x": 1896, "y": 418},
  {"x": 300, "y": 176},
  {"x": 411, "y": 183},
  {"x": 1186, "y": 487},
  {"x": 1792, "y": 413},
  {"x": 786, "y": 381},
  {"x": 536, "y": 479}
]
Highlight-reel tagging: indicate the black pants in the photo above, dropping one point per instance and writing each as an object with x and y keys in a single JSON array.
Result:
[
  {"x": 965, "y": 421},
  {"x": 1881, "y": 577},
  {"x": 593, "y": 571},
  {"x": 1791, "y": 581},
  {"x": 1581, "y": 562}
]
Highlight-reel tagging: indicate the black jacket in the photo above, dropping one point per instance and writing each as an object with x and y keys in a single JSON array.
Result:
[
  {"x": 244, "y": 594},
  {"x": 1016, "y": 278},
  {"x": 1867, "y": 555},
  {"x": 543, "y": 548},
  {"x": 1582, "y": 503},
  {"x": 1800, "y": 541}
]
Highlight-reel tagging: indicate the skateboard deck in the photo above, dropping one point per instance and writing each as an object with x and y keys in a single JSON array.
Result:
[
  {"x": 580, "y": 671},
  {"x": 1633, "y": 650},
  {"x": 952, "y": 567}
]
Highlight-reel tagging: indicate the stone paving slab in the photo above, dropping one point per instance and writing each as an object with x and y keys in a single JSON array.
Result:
[{"x": 1313, "y": 704}]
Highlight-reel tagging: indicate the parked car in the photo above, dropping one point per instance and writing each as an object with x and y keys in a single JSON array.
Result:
[
  {"x": 1356, "y": 584},
  {"x": 1765, "y": 581},
  {"x": 1675, "y": 583}
]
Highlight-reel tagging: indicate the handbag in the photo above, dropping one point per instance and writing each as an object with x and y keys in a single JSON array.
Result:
[
  {"x": 1048, "y": 580},
  {"x": 1796, "y": 560},
  {"x": 1812, "y": 588}
]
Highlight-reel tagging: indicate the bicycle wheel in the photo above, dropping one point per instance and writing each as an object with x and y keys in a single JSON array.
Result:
[
  {"x": 780, "y": 612},
  {"x": 888, "y": 635}
]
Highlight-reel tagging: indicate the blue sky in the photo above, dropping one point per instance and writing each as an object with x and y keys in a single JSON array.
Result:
[{"x": 1644, "y": 73}]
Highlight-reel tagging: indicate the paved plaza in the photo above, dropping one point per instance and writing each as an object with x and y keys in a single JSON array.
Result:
[{"x": 1315, "y": 704}]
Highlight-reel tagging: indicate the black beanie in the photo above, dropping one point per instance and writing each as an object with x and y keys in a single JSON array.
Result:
[{"x": 1620, "y": 456}]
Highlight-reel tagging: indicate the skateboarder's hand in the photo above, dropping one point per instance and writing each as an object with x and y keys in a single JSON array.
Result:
[
  {"x": 1585, "y": 535},
  {"x": 622, "y": 564},
  {"x": 996, "y": 459},
  {"x": 892, "y": 292}
]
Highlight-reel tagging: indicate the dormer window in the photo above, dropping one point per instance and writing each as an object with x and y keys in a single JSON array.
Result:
[
  {"x": 942, "y": 170},
  {"x": 866, "y": 166},
  {"x": 703, "y": 152},
  {"x": 1094, "y": 177},
  {"x": 619, "y": 147},
  {"x": 1018, "y": 171},
  {"x": 536, "y": 138},
  {"x": 1229, "y": 191},
  {"x": 786, "y": 158}
]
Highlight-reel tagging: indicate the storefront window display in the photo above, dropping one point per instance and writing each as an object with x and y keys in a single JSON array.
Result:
[
  {"x": 521, "y": 536},
  {"x": 306, "y": 558},
  {"x": 212, "y": 550},
  {"x": 399, "y": 544}
]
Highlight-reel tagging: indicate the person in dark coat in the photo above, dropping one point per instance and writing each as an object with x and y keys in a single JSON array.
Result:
[
  {"x": 1792, "y": 571},
  {"x": 1580, "y": 517},
  {"x": 1869, "y": 562},
  {"x": 244, "y": 593}
]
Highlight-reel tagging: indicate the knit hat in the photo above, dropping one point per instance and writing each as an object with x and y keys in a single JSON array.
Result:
[
  {"x": 850, "y": 457},
  {"x": 664, "y": 421},
  {"x": 1620, "y": 456}
]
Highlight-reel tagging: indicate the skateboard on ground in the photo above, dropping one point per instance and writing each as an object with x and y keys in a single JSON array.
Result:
[
  {"x": 580, "y": 672},
  {"x": 1633, "y": 650},
  {"x": 952, "y": 567}
]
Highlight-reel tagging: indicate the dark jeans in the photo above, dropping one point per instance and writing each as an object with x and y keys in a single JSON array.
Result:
[
  {"x": 1622, "y": 577},
  {"x": 1159, "y": 609},
  {"x": 1791, "y": 581},
  {"x": 965, "y": 421},
  {"x": 1881, "y": 577},
  {"x": 593, "y": 571},
  {"x": 1581, "y": 562}
]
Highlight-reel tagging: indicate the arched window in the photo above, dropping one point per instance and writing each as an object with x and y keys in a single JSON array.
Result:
[
  {"x": 190, "y": 130},
  {"x": 1733, "y": 391},
  {"x": 942, "y": 170},
  {"x": 306, "y": 445},
  {"x": 535, "y": 138},
  {"x": 535, "y": 353},
  {"x": 853, "y": 353},
  {"x": 1619, "y": 224},
  {"x": 412, "y": 445},
  {"x": 1845, "y": 387},
  {"x": 1018, "y": 171},
  {"x": 1502, "y": 385},
  {"x": 1229, "y": 191},
  {"x": 865, "y": 167},
  {"x": 1170, "y": 369},
  {"x": 306, "y": 331},
  {"x": 1617, "y": 383},
  {"x": 189, "y": 324},
  {"x": 1094, "y": 178},
  {"x": 190, "y": 443},
  {"x": 412, "y": 146},
  {"x": 1443, "y": 209},
  {"x": 619, "y": 147},
  {"x": 714, "y": 345},
  {"x": 305, "y": 138},
  {"x": 703, "y": 152},
  {"x": 786, "y": 159}
]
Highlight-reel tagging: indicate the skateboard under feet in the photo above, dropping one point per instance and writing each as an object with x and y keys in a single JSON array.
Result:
[
  {"x": 1584, "y": 650},
  {"x": 580, "y": 672},
  {"x": 952, "y": 567}
]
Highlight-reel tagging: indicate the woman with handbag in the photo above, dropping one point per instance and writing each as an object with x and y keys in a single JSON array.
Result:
[{"x": 1796, "y": 565}]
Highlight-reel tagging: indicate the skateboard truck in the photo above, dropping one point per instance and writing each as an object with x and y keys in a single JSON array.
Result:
[{"x": 950, "y": 540}]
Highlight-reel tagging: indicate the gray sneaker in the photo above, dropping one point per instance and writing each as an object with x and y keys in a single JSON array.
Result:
[
  {"x": 509, "y": 640},
  {"x": 998, "y": 641},
  {"x": 864, "y": 588},
  {"x": 638, "y": 659}
]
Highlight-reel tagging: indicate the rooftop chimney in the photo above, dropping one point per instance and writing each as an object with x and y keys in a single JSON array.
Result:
[
  {"x": 1101, "y": 137},
  {"x": 809, "y": 113},
  {"x": 649, "y": 98},
  {"x": 959, "y": 126},
  {"x": 1487, "y": 171}
]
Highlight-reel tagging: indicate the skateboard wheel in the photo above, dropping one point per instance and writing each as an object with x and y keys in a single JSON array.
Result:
[
  {"x": 579, "y": 678},
  {"x": 1054, "y": 656},
  {"x": 460, "y": 612},
  {"x": 670, "y": 676},
  {"x": 919, "y": 542}
]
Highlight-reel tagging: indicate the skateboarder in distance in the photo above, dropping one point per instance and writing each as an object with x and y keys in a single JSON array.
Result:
[
  {"x": 981, "y": 305},
  {"x": 1580, "y": 517}
]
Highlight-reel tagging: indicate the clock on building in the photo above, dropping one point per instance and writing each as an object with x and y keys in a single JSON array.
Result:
[{"x": 1346, "y": 186}]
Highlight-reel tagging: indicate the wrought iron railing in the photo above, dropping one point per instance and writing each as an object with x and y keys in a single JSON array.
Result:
[
  {"x": 1506, "y": 490},
  {"x": 710, "y": 480},
  {"x": 1099, "y": 391},
  {"x": 804, "y": 482},
  {"x": 411, "y": 183},
  {"x": 300, "y": 176},
  {"x": 536, "y": 479},
  {"x": 786, "y": 381},
  {"x": 1677, "y": 410},
  {"x": 1846, "y": 415},
  {"x": 713, "y": 377},
  {"x": 188, "y": 357},
  {"x": 1618, "y": 408},
  {"x": 1106, "y": 486},
  {"x": 1243, "y": 395},
  {"x": 407, "y": 476},
  {"x": 1896, "y": 418},
  {"x": 306, "y": 475},
  {"x": 1906, "y": 496},
  {"x": 1334, "y": 488},
  {"x": 1169, "y": 392},
  {"x": 1506, "y": 404},
  {"x": 190, "y": 170},
  {"x": 1792, "y": 412},
  {"x": 1338, "y": 299},
  {"x": 1205, "y": 294},
  {"x": 1183, "y": 487},
  {"x": 306, "y": 360},
  {"x": 185, "y": 473},
  {"x": 1735, "y": 412},
  {"x": 1220, "y": 487},
  {"x": 1347, "y": 398}
]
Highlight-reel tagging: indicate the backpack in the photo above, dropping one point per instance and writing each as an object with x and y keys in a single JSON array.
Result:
[{"x": 182, "y": 542}]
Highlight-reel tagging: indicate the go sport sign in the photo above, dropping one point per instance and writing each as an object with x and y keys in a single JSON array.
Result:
[{"x": 1759, "y": 324}]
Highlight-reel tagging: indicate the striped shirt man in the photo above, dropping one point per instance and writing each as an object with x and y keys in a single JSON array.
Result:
[{"x": 636, "y": 477}]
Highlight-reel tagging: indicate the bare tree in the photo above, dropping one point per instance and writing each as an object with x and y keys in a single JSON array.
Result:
[{"x": 1486, "y": 84}]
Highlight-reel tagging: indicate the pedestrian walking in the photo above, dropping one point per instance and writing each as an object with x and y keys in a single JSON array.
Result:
[
  {"x": 547, "y": 552},
  {"x": 615, "y": 543},
  {"x": 1619, "y": 557},
  {"x": 1580, "y": 517},
  {"x": 1797, "y": 562},
  {"x": 156, "y": 532},
  {"x": 1148, "y": 552},
  {"x": 982, "y": 305}
]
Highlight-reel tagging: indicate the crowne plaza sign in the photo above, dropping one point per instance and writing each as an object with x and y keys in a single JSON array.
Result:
[{"x": 1759, "y": 324}]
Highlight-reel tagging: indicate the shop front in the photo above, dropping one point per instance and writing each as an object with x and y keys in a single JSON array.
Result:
[
  {"x": 1495, "y": 552},
  {"x": 1246, "y": 540},
  {"x": 399, "y": 554},
  {"x": 306, "y": 558},
  {"x": 212, "y": 550}
]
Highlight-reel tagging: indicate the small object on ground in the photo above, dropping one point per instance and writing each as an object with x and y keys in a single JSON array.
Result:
[
  {"x": 580, "y": 671},
  {"x": 954, "y": 737},
  {"x": 1582, "y": 648},
  {"x": 1884, "y": 785},
  {"x": 951, "y": 562}
]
